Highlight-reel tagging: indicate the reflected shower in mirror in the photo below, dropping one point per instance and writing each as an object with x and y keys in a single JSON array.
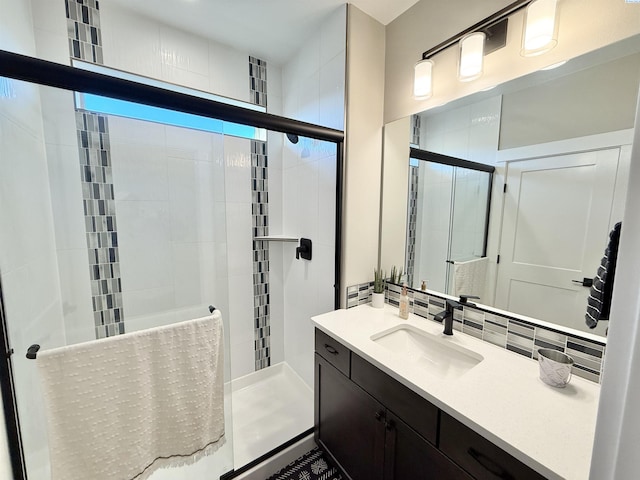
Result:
[
  {"x": 449, "y": 202},
  {"x": 560, "y": 142}
]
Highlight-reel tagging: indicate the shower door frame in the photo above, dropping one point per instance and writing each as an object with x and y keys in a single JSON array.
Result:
[{"x": 41, "y": 72}]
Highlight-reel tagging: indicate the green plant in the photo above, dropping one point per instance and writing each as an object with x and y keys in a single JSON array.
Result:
[
  {"x": 396, "y": 275},
  {"x": 378, "y": 280}
]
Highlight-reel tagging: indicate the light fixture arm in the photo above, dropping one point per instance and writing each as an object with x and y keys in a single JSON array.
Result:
[{"x": 481, "y": 25}]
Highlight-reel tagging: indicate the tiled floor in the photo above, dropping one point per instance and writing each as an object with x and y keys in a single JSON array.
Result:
[{"x": 313, "y": 465}]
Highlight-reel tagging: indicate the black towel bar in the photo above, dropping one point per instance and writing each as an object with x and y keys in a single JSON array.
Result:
[{"x": 32, "y": 351}]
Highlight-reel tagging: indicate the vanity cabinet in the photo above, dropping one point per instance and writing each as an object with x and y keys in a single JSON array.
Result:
[
  {"x": 351, "y": 423},
  {"x": 375, "y": 428}
]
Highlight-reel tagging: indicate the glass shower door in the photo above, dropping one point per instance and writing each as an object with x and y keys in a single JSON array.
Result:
[
  {"x": 109, "y": 225},
  {"x": 293, "y": 197}
]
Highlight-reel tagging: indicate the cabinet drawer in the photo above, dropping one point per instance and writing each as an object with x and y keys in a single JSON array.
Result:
[
  {"x": 405, "y": 403},
  {"x": 332, "y": 351},
  {"x": 478, "y": 456}
]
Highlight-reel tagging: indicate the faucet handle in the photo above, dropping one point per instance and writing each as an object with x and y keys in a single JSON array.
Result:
[{"x": 464, "y": 298}]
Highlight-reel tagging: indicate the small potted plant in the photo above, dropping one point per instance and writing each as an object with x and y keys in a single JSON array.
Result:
[
  {"x": 377, "y": 297},
  {"x": 396, "y": 276}
]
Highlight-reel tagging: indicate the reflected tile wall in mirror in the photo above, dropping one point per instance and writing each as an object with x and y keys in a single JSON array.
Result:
[{"x": 514, "y": 334}]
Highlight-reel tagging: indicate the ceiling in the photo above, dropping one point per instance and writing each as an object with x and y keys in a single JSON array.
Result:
[{"x": 269, "y": 29}]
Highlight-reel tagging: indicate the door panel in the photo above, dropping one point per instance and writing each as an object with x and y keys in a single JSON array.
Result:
[{"x": 557, "y": 216}]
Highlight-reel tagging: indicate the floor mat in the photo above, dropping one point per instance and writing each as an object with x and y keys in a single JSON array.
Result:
[{"x": 313, "y": 465}]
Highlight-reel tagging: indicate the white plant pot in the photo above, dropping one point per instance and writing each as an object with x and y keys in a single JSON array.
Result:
[{"x": 377, "y": 300}]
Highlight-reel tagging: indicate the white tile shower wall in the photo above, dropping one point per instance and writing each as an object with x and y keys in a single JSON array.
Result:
[
  {"x": 237, "y": 163},
  {"x": 61, "y": 145},
  {"x": 276, "y": 249},
  {"x": 50, "y": 29},
  {"x": 16, "y": 32},
  {"x": 469, "y": 214},
  {"x": 313, "y": 81},
  {"x": 470, "y": 132},
  {"x": 309, "y": 177},
  {"x": 432, "y": 220},
  {"x": 141, "y": 45},
  {"x": 169, "y": 191},
  {"x": 313, "y": 91}
]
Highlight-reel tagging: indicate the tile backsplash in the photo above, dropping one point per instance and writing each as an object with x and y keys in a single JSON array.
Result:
[{"x": 516, "y": 335}]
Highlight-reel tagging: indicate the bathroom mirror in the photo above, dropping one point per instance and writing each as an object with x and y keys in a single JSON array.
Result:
[{"x": 560, "y": 140}]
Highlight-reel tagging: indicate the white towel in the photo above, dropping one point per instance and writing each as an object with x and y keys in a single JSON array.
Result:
[
  {"x": 469, "y": 277},
  {"x": 122, "y": 407}
]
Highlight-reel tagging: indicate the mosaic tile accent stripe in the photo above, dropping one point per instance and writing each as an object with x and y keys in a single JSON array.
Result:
[
  {"x": 83, "y": 28},
  {"x": 415, "y": 130},
  {"x": 100, "y": 223},
  {"x": 412, "y": 213},
  {"x": 258, "y": 81},
  {"x": 513, "y": 334},
  {"x": 260, "y": 216},
  {"x": 359, "y": 294},
  {"x": 260, "y": 212}
]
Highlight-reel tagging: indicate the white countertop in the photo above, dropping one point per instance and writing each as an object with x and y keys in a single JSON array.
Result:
[{"x": 501, "y": 398}]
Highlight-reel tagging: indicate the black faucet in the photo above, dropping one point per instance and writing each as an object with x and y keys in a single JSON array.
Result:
[{"x": 446, "y": 315}]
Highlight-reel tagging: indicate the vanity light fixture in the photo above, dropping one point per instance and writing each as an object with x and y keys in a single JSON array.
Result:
[
  {"x": 539, "y": 22},
  {"x": 471, "y": 56},
  {"x": 423, "y": 79},
  {"x": 540, "y": 32}
]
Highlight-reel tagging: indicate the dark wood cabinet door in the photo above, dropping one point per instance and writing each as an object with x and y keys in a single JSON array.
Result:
[
  {"x": 408, "y": 456},
  {"x": 349, "y": 423}
]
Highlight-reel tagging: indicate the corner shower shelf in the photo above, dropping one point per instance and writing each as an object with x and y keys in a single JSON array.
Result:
[{"x": 277, "y": 238}]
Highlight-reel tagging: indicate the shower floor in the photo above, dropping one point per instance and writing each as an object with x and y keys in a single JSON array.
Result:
[{"x": 269, "y": 407}]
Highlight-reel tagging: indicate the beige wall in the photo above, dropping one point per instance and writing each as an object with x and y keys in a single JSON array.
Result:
[
  {"x": 591, "y": 101},
  {"x": 420, "y": 28},
  {"x": 363, "y": 148},
  {"x": 585, "y": 25}
]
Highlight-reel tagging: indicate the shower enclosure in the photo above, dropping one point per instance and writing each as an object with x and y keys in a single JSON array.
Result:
[
  {"x": 125, "y": 207},
  {"x": 448, "y": 216}
]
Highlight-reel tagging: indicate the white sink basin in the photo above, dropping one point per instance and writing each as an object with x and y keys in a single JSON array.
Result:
[{"x": 435, "y": 354}]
